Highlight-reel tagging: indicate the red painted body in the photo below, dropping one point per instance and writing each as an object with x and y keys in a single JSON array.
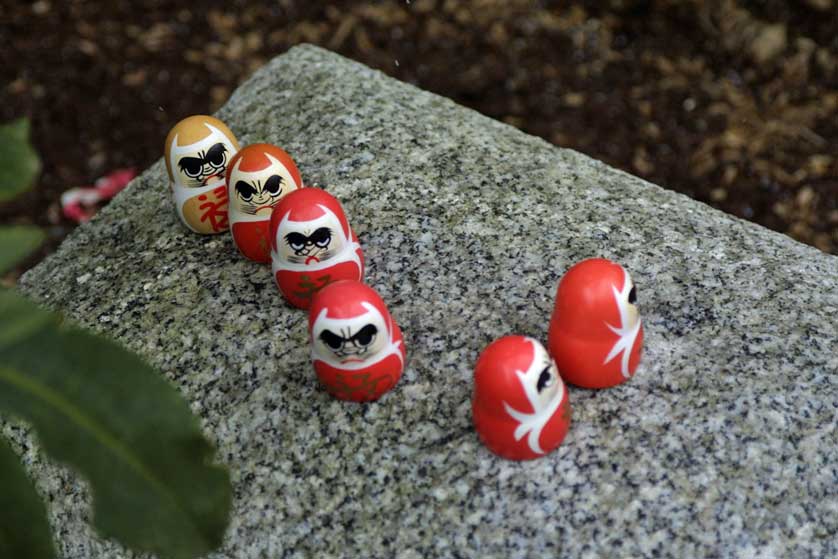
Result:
[
  {"x": 300, "y": 287},
  {"x": 251, "y": 238}
]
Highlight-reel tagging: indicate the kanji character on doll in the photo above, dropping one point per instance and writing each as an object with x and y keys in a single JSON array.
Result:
[
  {"x": 520, "y": 407},
  {"x": 312, "y": 245},
  {"x": 595, "y": 332},
  {"x": 197, "y": 151},
  {"x": 356, "y": 346},
  {"x": 257, "y": 179}
]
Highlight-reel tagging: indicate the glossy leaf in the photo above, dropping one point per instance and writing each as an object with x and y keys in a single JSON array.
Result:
[
  {"x": 103, "y": 411},
  {"x": 16, "y": 243},
  {"x": 24, "y": 530},
  {"x": 19, "y": 318},
  {"x": 19, "y": 164}
]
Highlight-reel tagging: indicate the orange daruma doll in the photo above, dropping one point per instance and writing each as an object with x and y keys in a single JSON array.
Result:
[
  {"x": 198, "y": 149},
  {"x": 257, "y": 178}
]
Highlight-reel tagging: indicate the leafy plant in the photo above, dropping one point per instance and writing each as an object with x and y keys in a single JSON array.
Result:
[
  {"x": 24, "y": 531},
  {"x": 102, "y": 410},
  {"x": 16, "y": 243},
  {"x": 19, "y": 164}
]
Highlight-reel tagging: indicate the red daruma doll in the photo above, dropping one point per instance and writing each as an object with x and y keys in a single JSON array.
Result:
[
  {"x": 198, "y": 149},
  {"x": 257, "y": 179},
  {"x": 356, "y": 347},
  {"x": 312, "y": 245},
  {"x": 520, "y": 408},
  {"x": 595, "y": 332}
]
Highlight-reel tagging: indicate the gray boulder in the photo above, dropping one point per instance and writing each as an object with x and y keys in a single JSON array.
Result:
[{"x": 723, "y": 444}]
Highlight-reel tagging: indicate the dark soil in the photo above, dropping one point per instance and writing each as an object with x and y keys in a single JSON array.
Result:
[{"x": 734, "y": 103}]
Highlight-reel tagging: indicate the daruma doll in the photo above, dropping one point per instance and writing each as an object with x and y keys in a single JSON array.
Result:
[{"x": 197, "y": 151}]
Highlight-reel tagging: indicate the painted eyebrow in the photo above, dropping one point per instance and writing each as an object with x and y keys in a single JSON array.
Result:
[
  {"x": 326, "y": 333},
  {"x": 181, "y": 163},
  {"x": 246, "y": 184},
  {"x": 363, "y": 328},
  {"x": 219, "y": 147},
  {"x": 267, "y": 180},
  {"x": 319, "y": 230}
]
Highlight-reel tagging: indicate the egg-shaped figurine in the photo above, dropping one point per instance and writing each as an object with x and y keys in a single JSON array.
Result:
[
  {"x": 520, "y": 407},
  {"x": 595, "y": 332},
  {"x": 257, "y": 178},
  {"x": 356, "y": 346},
  {"x": 312, "y": 245},
  {"x": 197, "y": 151}
]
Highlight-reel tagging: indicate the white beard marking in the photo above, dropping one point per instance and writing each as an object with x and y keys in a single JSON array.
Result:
[
  {"x": 533, "y": 423},
  {"x": 627, "y": 335}
]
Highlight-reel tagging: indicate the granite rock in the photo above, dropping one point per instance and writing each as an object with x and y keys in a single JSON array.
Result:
[{"x": 723, "y": 444}]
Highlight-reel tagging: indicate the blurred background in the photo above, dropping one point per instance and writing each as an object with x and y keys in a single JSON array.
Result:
[{"x": 732, "y": 102}]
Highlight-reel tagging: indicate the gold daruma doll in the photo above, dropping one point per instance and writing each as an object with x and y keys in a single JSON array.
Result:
[{"x": 198, "y": 149}]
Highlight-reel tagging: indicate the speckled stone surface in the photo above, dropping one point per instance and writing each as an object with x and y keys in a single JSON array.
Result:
[{"x": 724, "y": 443}]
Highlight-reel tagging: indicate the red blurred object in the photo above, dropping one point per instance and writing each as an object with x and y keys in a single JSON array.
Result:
[{"x": 80, "y": 204}]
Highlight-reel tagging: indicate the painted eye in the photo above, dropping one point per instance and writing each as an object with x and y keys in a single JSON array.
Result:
[
  {"x": 322, "y": 237},
  {"x": 273, "y": 185},
  {"x": 366, "y": 335},
  {"x": 331, "y": 339},
  {"x": 545, "y": 379},
  {"x": 192, "y": 166},
  {"x": 217, "y": 156},
  {"x": 633, "y": 295},
  {"x": 245, "y": 190},
  {"x": 296, "y": 240}
]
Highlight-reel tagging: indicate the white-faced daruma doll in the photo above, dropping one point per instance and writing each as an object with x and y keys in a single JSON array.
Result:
[
  {"x": 198, "y": 149},
  {"x": 312, "y": 245}
]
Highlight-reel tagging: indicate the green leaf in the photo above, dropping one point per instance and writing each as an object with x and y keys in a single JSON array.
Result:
[
  {"x": 110, "y": 416},
  {"x": 19, "y": 164},
  {"x": 19, "y": 318},
  {"x": 24, "y": 530},
  {"x": 17, "y": 243}
]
